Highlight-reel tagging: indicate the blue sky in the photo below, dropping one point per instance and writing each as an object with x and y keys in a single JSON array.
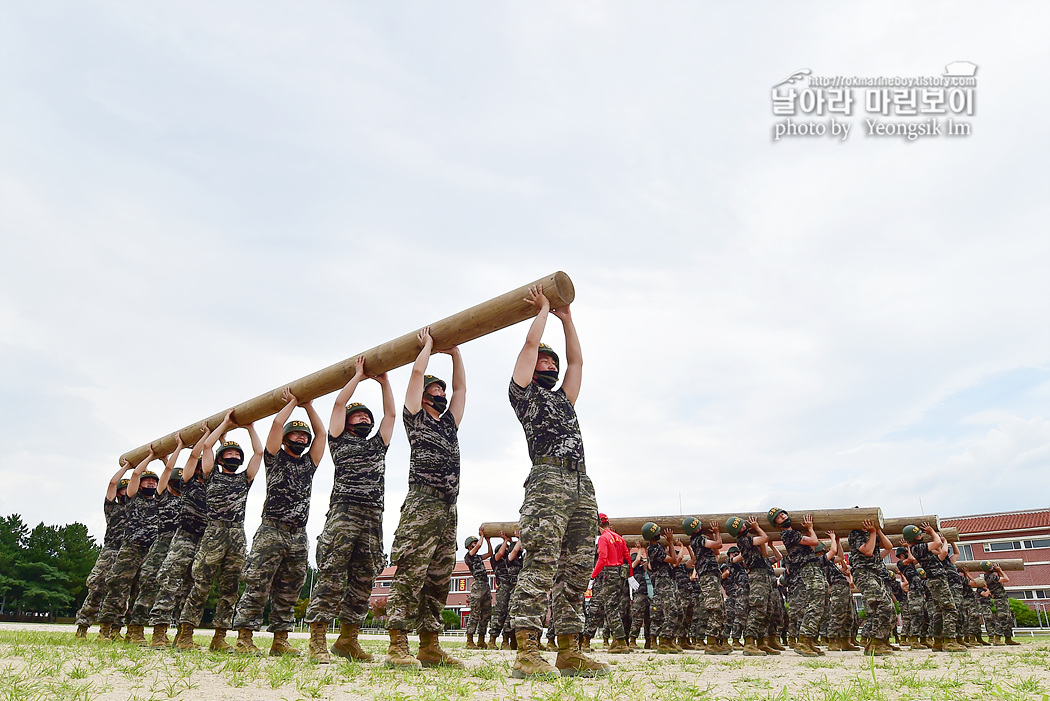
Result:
[{"x": 200, "y": 202}]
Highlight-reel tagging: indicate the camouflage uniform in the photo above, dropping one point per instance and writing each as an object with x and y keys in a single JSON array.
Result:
[
  {"x": 777, "y": 610},
  {"x": 1004, "y": 618},
  {"x": 424, "y": 549},
  {"x": 115, "y": 513},
  {"x": 878, "y": 605},
  {"x": 612, "y": 593},
  {"x": 760, "y": 584},
  {"x": 937, "y": 582},
  {"x": 838, "y": 599},
  {"x": 686, "y": 600},
  {"x": 984, "y": 605},
  {"x": 794, "y": 601},
  {"x": 559, "y": 516},
  {"x": 350, "y": 548},
  {"x": 738, "y": 596},
  {"x": 221, "y": 551},
  {"x": 480, "y": 596},
  {"x": 970, "y": 621},
  {"x": 916, "y": 601},
  {"x": 505, "y": 583},
  {"x": 140, "y": 530},
  {"x": 168, "y": 506},
  {"x": 640, "y": 617},
  {"x": 594, "y": 612},
  {"x": 806, "y": 562},
  {"x": 710, "y": 614},
  {"x": 277, "y": 565},
  {"x": 174, "y": 576},
  {"x": 929, "y": 610},
  {"x": 664, "y": 608}
]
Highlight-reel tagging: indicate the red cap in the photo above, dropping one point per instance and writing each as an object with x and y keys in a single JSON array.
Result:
[{"x": 602, "y": 518}]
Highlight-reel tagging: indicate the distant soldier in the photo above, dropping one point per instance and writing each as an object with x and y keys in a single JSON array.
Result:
[
  {"x": 114, "y": 509},
  {"x": 424, "y": 549},
  {"x": 506, "y": 564},
  {"x": 971, "y": 618},
  {"x": 710, "y": 611},
  {"x": 806, "y": 563},
  {"x": 480, "y": 598},
  {"x": 222, "y": 547},
  {"x": 737, "y": 586},
  {"x": 839, "y": 598},
  {"x": 174, "y": 579},
  {"x": 351, "y": 544},
  {"x": 995, "y": 578},
  {"x": 686, "y": 597},
  {"x": 930, "y": 556},
  {"x": 984, "y": 605},
  {"x": 866, "y": 547},
  {"x": 610, "y": 576},
  {"x": 751, "y": 540},
  {"x": 140, "y": 531},
  {"x": 640, "y": 599},
  {"x": 906, "y": 565},
  {"x": 665, "y": 608}
]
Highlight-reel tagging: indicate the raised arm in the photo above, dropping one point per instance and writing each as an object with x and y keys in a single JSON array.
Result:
[
  {"x": 810, "y": 538},
  {"x": 136, "y": 476},
  {"x": 257, "y": 453},
  {"x": 414, "y": 393},
  {"x": 1003, "y": 577},
  {"x": 936, "y": 544},
  {"x": 762, "y": 538},
  {"x": 459, "y": 385},
  {"x": 884, "y": 542},
  {"x": 169, "y": 465},
  {"x": 208, "y": 456},
  {"x": 195, "y": 454},
  {"x": 833, "y": 548},
  {"x": 337, "y": 422},
  {"x": 868, "y": 548},
  {"x": 525, "y": 365},
  {"x": 573, "y": 355},
  {"x": 111, "y": 490},
  {"x": 715, "y": 542},
  {"x": 276, "y": 435},
  {"x": 386, "y": 426},
  {"x": 514, "y": 551},
  {"x": 318, "y": 446}
]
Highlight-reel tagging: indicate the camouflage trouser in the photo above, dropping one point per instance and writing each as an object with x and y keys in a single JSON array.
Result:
[
  {"x": 612, "y": 591},
  {"x": 947, "y": 616},
  {"x": 813, "y": 586},
  {"x": 984, "y": 605},
  {"x": 594, "y": 612},
  {"x": 221, "y": 554},
  {"x": 96, "y": 584},
  {"x": 424, "y": 553},
  {"x": 480, "y": 608},
  {"x": 736, "y": 613},
  {"x": 710, "y": 613},
  {"x": 276, "y": 572},
  {"x": 839, "y": 608},
  {"x": 498, "y": 623},
  {"x": 664, "y": 609},
  {"x": 687, "y": 607},
  {"x": 929, "y": 609},
  {"x": 795, "y": 599},
  {"x": 957, "y": 597},
  {"x": 640, "y": 614},
  {"x": 1004, "y": 617},
  {"x": 970, "y": 623},
  {"x": 777, "y": 612},
  {"x": 149, "y": 582},
  {"x": 558, "y": 525},
  {"x": 121, "y": 579},
  {"x": 878, "y": 604},
  {"x": 174, "y": 577},
  {"x": 347, "y": 552},
  {"x": 760, "y": 583}
]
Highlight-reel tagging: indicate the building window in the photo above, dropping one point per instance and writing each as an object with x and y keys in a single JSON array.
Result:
[
  {"x": 1030, "y": 594},
  {"x": 965, "y": 552},
  {"x": 999, "y": 547},
  {"x": 1018, "y": 545},
  {"x": 1039, "y": 543}
]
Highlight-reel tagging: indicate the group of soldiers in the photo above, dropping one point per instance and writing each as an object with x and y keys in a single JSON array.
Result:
[{"x": 684, "y": 599}]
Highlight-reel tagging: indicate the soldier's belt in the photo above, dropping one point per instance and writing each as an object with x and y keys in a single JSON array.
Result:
[
  {"x": 424, "y": 489},
  {"x": 281, "y": 525},
  {"x": 564, "y": 463}
]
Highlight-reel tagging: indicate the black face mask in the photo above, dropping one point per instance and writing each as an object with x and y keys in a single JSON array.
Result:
[
  {"x": 786, "y": 523},
  {"x": 296, "y": 449},
  {"x": 122, "y": 498},
  {"x": 545, "y": 378},
  {"x": 148, "y": 491},
  {"x": 360, "y": 430},
  {"x": 231, "y": 463},
  {"x": 438, "y": 402}
]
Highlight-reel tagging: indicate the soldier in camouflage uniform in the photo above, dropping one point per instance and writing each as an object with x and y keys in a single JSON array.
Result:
[
  {"x": 971, "y": 620},
  {"x": 351, "y": 544},
  {"x": 865, "y": 559},
  {"x": 480, "y": 599},
  {"x": 221, "y": 550},
  {"x": 559, "y": 516},
  {"x": 984, "y": 605},
  {"x": 839, "y": 598},
  {"x": 640, "y": 598},
  {"x": 710, "y": 612},
  {"x": 956, "y": 583},
  {"x": 751, "y": 540},
  {"x": 140, "y": 530},
  {"x": 665, "y": 608},
  {"x": 169, "y": 503},
  {"x": 506, "y": 564},
  {"x": 994, "y": 579},
  {"x": 424, "y": 549},
  {"x": 931, "y": 557},
  {"x": 737, "y": 586},
  {"x": 795, "y": 591},
  {"x": 803, "y": 560},
  {"x": 610, "y": 575},
  {"x": 277, "y": 566},
  {"x": 686, "y": 599},
  {"x": 594, "y": 614},
  {"x": 115, "y": 511},
  {"x": 174, "y": 578}
]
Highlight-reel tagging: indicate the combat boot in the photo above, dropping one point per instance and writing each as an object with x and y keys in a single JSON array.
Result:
[
  {"x": 494, "y": 642},
  {"x": 963, "y": 640},
  {"x": 648, "y": 642},
  {"x": 81, "y": 632},
  {"x": 632, "y": 642},
  {"x": 952, "y": 645},
  {"x": 585, "y": 644},
  {"x": 674, "y": 644},
  {"x": 685, "y": 643},
  {"x": 763, "y": 645},
  {"x": 399, "y": 654},
  {"x": 997, "y": 640},
  {"x": 571, "y": 661},
  {"x": 718, "y": 646},
  {"x": 431, "y": 654},
  {"x": 244, "y": 644},
  {"x": 938, "y": 645},
  {"x": 114, "y": 634},
  {"x": 136, "y": 636},
  {"x": 793, "y": 642},
  {"x": 218, "y": 641},
  {"x": 551, "y": 645},
  {"x": 775, "y": 644},
  {"x": 529, "y": 662},
  {"x": 318, "y": 649},
  {"x": 482, "y": 645},
  {"x": 835, "y": 645},
  {"x": 881, "y": 646},
  {"x": 981, "y": 640},
  {"x": 346, "y": 644},
  {"x": 184, "y": 638},
  {"x": 281, "y": 646},
  {"x": 847, "y": 646},
  {"x": 160, "y": 637},
  {"x": 738, "y": 644},
  {"x": 805, "y": 647},
  {"x": 663, "y": 645},
  {"x": 1010, "y": 641},
  {"x": 751, "y": 649},
  {"x": 619, "y": 647},
  {"x": 471, "y": 645},
  {"x": 513, "y": 641}
]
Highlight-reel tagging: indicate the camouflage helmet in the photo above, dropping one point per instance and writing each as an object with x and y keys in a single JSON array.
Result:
[
  {"x": 547, "y": 350},
  {"x": 296, "y": 425},
  {"x": 357, "y": 406},
  {"x": 773, "y": 513},
  {"x": 149, "y": 475},
  {"x": 431, "y": 379},
  {"x": 229, "y": 445},
  {"x": 650, "y": 531},
  {"x": 986, "y": 566},
  {"x": 921, "y": 572},
  {"x": 912, "y": 533},
  {"x": 123, "y": 484},
  {"x": 175, "y": 481},
  {"x": 471, "y": 539},
  {"x": 901, "y": 551},
  {"x": 691, "y": 526},
  {"x": 735, "y": 526},
  {"x": 733, "y": 550}
]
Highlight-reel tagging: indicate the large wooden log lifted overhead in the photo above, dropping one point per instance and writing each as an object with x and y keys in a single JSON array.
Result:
[
  {"x": 974, "y": 566},
  {"x": 823, "y": 520},
  {"x": 497, "y": 313}
]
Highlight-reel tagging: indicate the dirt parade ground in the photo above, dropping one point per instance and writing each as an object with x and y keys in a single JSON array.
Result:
[{"x": 46, "y": 662}]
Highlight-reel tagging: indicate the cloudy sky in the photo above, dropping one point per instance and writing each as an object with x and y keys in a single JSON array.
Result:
[{"x": 202, "y": 201}]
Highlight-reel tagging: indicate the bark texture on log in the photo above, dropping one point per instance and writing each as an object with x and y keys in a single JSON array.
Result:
[
  {"x": 974, "y": 566},
  {"x": 495, "y": 314}
]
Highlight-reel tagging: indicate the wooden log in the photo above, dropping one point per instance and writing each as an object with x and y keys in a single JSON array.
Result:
[
  {"x": 950, "y": 534},
  {"x": 897, "y": 524},
  {"x": 1011, "y": 565},
  {"x": 823, "y": 520},
  {"x": 495, "y": 314}
]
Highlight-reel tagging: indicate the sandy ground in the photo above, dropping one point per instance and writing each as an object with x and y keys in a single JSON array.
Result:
[{"x": 45, "y": 662}]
